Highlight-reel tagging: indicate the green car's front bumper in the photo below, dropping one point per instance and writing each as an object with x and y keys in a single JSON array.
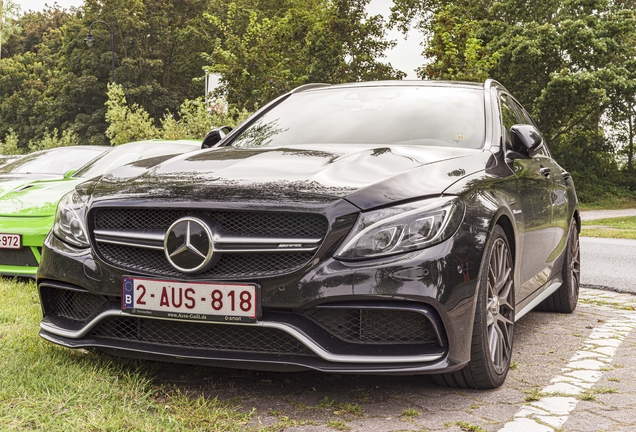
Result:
[{"x": 24, "y": 261}]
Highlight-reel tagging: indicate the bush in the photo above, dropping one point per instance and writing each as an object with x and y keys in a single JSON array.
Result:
[
  {"x": 51, "y": 140},
  {"x": 10, "y": 144},
  {"x": 126, "y": 123},
  {"x": 195, "y": 119}
]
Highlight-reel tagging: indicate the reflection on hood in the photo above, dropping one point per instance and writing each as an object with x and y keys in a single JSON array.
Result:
[{"x": 320, "y": 173}]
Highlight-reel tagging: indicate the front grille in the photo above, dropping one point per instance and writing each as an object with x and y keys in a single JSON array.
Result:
[
  {"x": 18, "y": 257},
  {"x": 216, "y": 337},
  {"x": 229, "y": 266},
  {"x": 241, "y": 224},
  {"x": 376, "y": 326},
  {"x": 74, "y": 305}
]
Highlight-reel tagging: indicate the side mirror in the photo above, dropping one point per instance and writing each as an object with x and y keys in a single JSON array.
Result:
[
  {"x": 526, "y": 141},
  {"x": 69, "y": 173},
  {"x": 215, "y": 136}
]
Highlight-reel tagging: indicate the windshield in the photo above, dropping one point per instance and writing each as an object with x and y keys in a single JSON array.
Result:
[
  {"x": 54, "y": 161},
  {"x": 127, "y": 153},
  {"x": 389, "y": 115}
]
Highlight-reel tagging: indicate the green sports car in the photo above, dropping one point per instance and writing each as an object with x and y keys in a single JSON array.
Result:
[{"x": 28, "y": 200}]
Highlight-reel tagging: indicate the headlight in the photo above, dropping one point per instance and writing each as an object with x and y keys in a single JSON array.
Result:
[
  {"x": 402, "y": 228},
  {"x": 69, "y": 220}
]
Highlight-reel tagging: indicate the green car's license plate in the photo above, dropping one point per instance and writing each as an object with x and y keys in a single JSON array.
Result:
[{"x": 10, "y": 241}]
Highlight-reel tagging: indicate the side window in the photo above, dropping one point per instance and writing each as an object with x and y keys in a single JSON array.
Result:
[{"x": 508, "y": 117}]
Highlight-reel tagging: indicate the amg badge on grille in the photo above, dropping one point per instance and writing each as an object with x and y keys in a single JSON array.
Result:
[{"x": 189, "y": 246}]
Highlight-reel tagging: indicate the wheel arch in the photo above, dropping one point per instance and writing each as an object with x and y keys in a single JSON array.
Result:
[{"x": 506, "y": 224}]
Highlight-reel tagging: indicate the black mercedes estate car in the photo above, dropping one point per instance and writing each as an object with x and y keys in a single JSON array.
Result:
[{"x": 385, "y": 227}]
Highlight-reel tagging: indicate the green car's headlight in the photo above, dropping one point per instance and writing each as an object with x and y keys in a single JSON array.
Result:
[
  {"x": 69, "y": 220},
  {"x": 402, "y": 228}
]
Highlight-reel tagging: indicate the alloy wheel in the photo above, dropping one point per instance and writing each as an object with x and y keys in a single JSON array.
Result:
[
  {"x": 574, "y": 266},
  {"x": 499, "y": 309}
]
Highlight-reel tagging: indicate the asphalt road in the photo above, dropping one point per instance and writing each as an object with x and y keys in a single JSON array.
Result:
[{"x": 608, "y": 264}]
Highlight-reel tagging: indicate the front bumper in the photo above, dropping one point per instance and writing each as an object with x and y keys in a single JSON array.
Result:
[
  {"x": 24, "y": 262},
  {"x": 434, "y": 287}
]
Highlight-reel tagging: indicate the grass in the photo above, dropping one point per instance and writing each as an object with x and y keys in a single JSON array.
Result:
[
  {"x": 532, "y": 395},
  {"x": 610, "y": 203},
  {"x": 47, "y": 387},
  {"x": 621, "y": 227},
  {"x": 465, "y": 426},
  {"x": 339, "y": 425},
  {"x": 340, "y": 407}
]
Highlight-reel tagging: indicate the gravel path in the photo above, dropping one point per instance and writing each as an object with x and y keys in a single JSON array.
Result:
[{"x": 588, "y": 215}]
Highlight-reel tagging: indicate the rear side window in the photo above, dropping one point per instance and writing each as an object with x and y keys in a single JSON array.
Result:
[{"x": 391, "y": 115}]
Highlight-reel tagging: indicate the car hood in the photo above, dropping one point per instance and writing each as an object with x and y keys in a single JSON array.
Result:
[
  {"x": 366, "y": 175},
  {"x": 33, "y": 198}
]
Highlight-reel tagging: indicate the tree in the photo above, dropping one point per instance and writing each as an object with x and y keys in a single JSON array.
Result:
[
  {"x": 569, "y": 62},
  {"x": 261, "y": 53}
]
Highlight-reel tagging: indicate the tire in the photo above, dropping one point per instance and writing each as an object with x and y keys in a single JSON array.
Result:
[
  {"x": 564, "y": 299},
  {"x": 493, "y": 327}
]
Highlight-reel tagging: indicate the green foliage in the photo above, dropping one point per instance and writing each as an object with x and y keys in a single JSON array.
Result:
[
  {"x": 10, "y": 144},
  {"x": 51, "y": 140},
  {"x": 571, "y": 63},
  {"x": 130, "y": 122},
  {"x": 261, "y": 54},
  {"x": 197, "y": 117},
  {"x": 50, "y": 79},
  {"x": 9, "y": 11},
  {"x": 126, "y": 122}
]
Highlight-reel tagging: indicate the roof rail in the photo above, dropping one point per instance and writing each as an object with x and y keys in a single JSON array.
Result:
[
  {"x": 304, "y": 87},
  {"x": 490, "y": 83}
]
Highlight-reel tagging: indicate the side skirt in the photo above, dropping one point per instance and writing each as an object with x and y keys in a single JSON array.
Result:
[{"x": 538, "y": 299}]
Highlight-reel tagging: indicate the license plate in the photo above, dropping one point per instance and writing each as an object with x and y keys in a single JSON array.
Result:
[
  {"x": 10, "y": 241},
  {"x": 190, "y": 300}
]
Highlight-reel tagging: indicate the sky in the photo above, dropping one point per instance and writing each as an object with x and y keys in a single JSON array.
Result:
[{"x": 406, "y": 56}]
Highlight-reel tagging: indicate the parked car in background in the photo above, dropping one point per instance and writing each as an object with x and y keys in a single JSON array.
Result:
[
  {"x": 51, "y": 163},
  {"x": 27, "y": 206},
  {"x": 8, "y": 158},
  {"x": 385, "y": 227}
]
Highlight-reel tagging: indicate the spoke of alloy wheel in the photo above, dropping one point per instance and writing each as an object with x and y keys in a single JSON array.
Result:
[
  {"x": 504, "y": 294},
  {"x": 504, "y": 328},
  {"x": 498, "y": 357},
  {"x": 490, "y": 319},
  {"x": 503, "y": 279},
  {"x": 492, "y": 342}
]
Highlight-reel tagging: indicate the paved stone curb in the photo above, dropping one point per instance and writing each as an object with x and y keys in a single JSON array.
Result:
[{"x": 585, "y": 368}]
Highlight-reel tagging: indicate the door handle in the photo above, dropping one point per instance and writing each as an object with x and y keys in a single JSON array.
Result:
[{"x": 545, "y": 171}]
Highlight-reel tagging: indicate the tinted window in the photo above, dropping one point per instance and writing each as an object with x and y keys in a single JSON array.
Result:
[
  {"x": 430, "y": 116},
  {"x": 54, "y": 161}
]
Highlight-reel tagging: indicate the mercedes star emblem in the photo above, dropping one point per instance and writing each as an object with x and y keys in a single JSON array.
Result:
[{"x": 188, "y": 245}]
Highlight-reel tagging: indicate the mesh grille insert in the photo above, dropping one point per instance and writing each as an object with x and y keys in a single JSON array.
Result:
[
  {"x": 376, "y": 326},
  {"x": 74, "y": 305},
  {"x": 265, "y": 224},
  {"x": 18, "y": 257},
  {"x": 200, "y": 336},
  {"x": 229, "y": 266}
]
